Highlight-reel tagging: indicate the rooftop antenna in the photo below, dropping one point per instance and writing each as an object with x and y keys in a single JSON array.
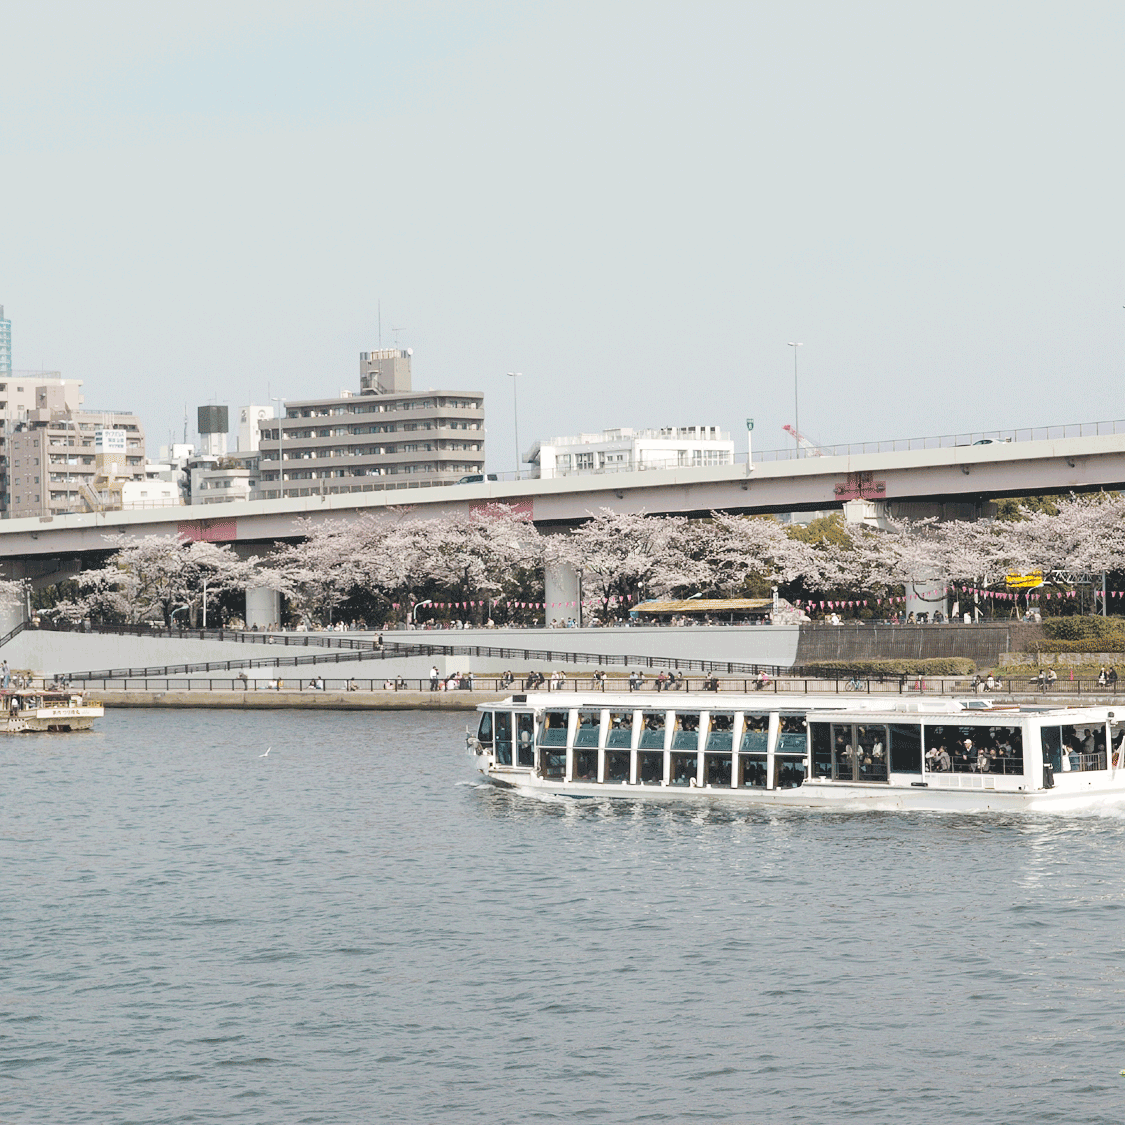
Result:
[
  {"x": 396, "y": 331},
  {"x": 185, "y": 423}
]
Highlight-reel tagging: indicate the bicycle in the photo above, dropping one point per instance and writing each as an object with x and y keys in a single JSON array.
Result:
[{"x": 855, "y": 684}]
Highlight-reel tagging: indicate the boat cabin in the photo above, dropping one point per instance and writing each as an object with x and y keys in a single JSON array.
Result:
[{"x": 736, "y": 743}]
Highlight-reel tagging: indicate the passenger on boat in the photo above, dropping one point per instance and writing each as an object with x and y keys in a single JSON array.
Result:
[
  {"x": 943, "y": 764},
  {"x": 964, "y": 755}
]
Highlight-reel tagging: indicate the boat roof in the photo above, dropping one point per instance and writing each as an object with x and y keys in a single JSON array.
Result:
[
  {"x": 791, "y": 704},
  {"x": 706, "y": 605}
]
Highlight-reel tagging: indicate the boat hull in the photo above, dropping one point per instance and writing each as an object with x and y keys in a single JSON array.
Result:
[
  {"x": 834, "y": 795},
  {"x": 46, "y": 720}
]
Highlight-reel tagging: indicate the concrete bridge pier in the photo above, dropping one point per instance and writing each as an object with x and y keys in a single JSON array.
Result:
[
  {"x": 263, "y": 607},
  {"x": 561, "y": 585}
]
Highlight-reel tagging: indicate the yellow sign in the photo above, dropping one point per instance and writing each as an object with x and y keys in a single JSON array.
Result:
[{"x": 1024, "y": 581}]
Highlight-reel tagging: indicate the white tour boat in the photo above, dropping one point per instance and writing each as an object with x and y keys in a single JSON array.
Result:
[
  {"x": 804, "y": 751},
  {"x": 46, "y": 709}
]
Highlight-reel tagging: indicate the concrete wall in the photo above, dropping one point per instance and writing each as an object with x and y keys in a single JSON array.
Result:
[
  {"x": 750, "y": 644},
  {"x": 46, "y": 651}
]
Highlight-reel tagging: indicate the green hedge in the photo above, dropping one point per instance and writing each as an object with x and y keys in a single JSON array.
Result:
[
  {"x": 1084, "y": 629},
  {"x": 1091, "y": 644},
  {"x": 935, "y": 666}
]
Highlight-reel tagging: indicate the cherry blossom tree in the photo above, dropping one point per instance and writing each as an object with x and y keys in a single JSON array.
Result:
[
  {"x": 156, "y": 576},
  {"x": 628, "y": 556}
]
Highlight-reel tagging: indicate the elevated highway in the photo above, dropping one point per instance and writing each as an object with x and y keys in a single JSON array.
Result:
[{"x": 907, "y": 482}]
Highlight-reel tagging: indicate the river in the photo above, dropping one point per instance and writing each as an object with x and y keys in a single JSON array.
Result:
[{"x": 352, "y": 929}]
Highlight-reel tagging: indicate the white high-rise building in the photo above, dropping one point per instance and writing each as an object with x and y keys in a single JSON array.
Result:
[
  {"x": 249, "y": 436},
  {"x": 623, "y": 451}
]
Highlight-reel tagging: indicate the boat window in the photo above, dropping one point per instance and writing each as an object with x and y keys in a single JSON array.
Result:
[
  {"x": 721, "y": 735},
  {"x": 589, "y": 727},
  {"x": 871, "y": 753},
  {"x": 617, "y": 765},
  {"x": 843, "y": 752},
  {"x": 974, "y": 749},
  {"x": 906, "y": 748},
  {"x": 503, "y": 738},
  {"x": 525, "y": 725},
  {"x": 652, "y": 736},
  {"x": 650, "y": 767},
  {"x": 793, "y": 737},
  {"x": 552, "y": 732},
  {"x": 1117, "y": 738},
  {"x": 686, "y": 736},
  {"x": 585, "y": 765},
  {"x": 1075, "y": 748},
  {"x": 552, "y": 762},
  {"x": 717, "y": 767},
  {"x": 1051, "y": 739},
  {"x": 789, "y": 773},
  {"x": 685, "y": 768},
  {"x": 620, "y": 729},
  {"x": 939, "y": 748},
  {"x": 752, "y": 771},
  {"x": 756, "y": 734},
  {"x": 822, "y": 750},
  {"x": 484, "y": 731}
]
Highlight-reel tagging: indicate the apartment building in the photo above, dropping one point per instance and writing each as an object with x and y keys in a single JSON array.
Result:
[
  {"x": 60, "y": 459},
  {"x": 386, "y": 436}
]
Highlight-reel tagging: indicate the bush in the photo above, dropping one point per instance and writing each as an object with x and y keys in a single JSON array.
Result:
[
  {"x": 1091, "y": 644},
  {"x": 934, "y": 666},
  {"x": 1083, "y": 629}
]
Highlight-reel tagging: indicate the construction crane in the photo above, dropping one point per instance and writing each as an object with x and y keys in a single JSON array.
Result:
[{"x": 810, "y": 447}]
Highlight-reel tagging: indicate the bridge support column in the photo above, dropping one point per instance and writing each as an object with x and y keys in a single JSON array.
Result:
[
  {"x": 869, "y": 513},
  {"x": 263, "y": 607},
  {"x": 561, "y": 585},
  {"x": 928, "y": 596},
  {"x": 12, "y": 615}
]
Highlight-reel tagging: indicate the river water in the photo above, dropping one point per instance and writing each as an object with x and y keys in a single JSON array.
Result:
[{"x": 351, "y": 929}]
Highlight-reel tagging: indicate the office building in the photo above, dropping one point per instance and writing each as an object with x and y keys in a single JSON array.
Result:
[
  {"x": 623, "y": 451},
  {"x": 386, "y": 436}
]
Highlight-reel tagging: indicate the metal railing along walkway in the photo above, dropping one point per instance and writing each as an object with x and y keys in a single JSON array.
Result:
[{"x": 1027, "y": 691}]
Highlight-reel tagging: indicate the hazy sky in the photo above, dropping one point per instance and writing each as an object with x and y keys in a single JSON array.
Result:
[{"x": 637, "y": 205}]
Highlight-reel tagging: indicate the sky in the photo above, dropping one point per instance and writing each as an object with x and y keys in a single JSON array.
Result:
[{"x": 636, "y": 205}]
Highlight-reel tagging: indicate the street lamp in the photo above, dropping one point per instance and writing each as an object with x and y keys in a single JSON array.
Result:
[
  {"x": 514, "y": 375},
  {"x": 414, "y": 611},
  {"x": 204, "y": 603},
  {"x": 796, "y": 416}
]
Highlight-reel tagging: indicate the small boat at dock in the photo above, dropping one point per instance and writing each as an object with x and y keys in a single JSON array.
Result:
[{"x": 29, "y": 710}]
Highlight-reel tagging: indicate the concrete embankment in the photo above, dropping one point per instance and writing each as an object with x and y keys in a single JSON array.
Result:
[
  {"x": 302, "y": 700},
  {"x": 468, "y": 700}
]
